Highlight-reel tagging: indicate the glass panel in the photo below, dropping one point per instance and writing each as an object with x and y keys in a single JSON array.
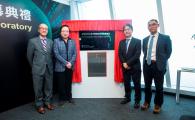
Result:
[
  {"x": 179, "y": 24},
  {"x": 140, "y": 11},
  {"x": 94, "y": 10}
]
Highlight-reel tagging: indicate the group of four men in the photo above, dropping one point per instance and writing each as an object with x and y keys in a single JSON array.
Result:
[{"x": 40, "y": 51}]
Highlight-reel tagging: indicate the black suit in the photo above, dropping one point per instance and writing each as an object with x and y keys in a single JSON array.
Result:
[
  {"x": 157, "y": 68},
  {"x": 132, "y": 58}
]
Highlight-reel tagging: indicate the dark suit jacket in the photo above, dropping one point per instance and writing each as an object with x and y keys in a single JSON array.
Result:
[
  {"x": 132, "y": 57},
  {"x": 38, "y": 58},
  {"x": 163, "y": 50},
  {"x": 61, "y": 54}
]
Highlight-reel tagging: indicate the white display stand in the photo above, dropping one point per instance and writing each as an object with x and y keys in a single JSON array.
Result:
[
  {"x": 97, "y": 87},
  {"x": 191, "y": 70}
]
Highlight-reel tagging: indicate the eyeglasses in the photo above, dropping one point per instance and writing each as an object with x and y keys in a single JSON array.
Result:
[
  {"x": 152, "y": 24},
  {"x": 127, "y": 29},
  {"x": 65, "y": 31},
  {"x": 43, "y": 28}
]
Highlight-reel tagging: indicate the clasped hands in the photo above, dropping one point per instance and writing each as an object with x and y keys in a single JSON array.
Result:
[
  {"x": 68, "y": 65},
  {"x": 125, "y": 65}
]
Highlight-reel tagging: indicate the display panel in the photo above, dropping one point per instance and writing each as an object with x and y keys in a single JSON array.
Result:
[
  {"x": 96, "y": 64},
  {"x": 96, "y": 40}
]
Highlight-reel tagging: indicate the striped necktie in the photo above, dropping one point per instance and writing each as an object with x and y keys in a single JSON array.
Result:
[
  {"x": 44, "y": 43},
  {"x": 150, "y": 50}
]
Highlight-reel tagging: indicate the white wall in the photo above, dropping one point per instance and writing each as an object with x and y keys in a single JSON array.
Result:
[{"x": 97, "y": 87}]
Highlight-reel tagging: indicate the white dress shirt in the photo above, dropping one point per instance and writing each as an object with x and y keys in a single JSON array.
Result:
[{"x": 155, "y": 39}]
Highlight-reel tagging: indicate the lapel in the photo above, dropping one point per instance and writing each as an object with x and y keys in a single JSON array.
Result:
[
  {"x": 69, "y": 44},
  {"x": 131, "y": 44},
  {"x": 48, "y": 44},
  {"x": 64, "y": 46},
  {"x": 158, "y": 42},
  {"x": 124, "y": 45},
  {"x": 40, "y": 44},
  {"x": 146, "y": 44}
]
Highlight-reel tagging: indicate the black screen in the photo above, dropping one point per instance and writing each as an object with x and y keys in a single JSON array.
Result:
[{"x": 96, "y": 40}]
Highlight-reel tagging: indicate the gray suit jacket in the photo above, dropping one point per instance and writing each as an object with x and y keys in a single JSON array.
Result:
[
  {"x": 163, "y": 50},
  {"x": 38, "y": 58},
  {"x": 60, "y": 54}
]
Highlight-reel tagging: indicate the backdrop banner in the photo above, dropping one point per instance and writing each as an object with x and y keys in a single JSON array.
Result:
[{"x": 19, "y": 20}]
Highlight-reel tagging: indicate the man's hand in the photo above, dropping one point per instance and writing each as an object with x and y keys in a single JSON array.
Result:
[
  {"x": 125, "y": 65},
  {"x": 69, "y": 65},
  {"x": 128, "y": 68}
]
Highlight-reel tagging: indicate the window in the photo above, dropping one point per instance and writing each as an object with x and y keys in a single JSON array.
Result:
[
  {"x": 140, "y": 11},
  {"x": 179, "y": 22},
  {"x": 94, "y": 10}
]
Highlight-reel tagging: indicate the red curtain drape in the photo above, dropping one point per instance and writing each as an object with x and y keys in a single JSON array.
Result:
[
  {"x": 118, "y": 76},
  {"x": 97, "y": 25},
  {"x": 76, "y": 78}
]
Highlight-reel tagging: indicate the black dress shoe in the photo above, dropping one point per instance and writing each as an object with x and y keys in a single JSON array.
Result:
[
  {"x": 50, "y": 107},
  {"x": 125, "y": 101},
  {"x": 41, "y": 110},
  {"x": 136, "y": 105}
]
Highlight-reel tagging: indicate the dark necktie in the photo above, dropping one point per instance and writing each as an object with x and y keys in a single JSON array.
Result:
[{"x": 127, "y": 44}]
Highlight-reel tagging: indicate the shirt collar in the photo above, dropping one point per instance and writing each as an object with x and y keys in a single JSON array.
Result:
[
  {"x": 63, "y": 40},
  {"x": 155, "y": 35},
  {"x": 42, "y": 38},
  {"x": 129, "y": 38}
]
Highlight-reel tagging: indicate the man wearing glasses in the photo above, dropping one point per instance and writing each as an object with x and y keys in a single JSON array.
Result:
[
  {"x": 39, "y": 54},
  {"x": 157, "y": 49},
  {"x": 129, "y": 54}
]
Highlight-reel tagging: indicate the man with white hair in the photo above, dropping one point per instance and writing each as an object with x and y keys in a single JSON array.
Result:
[{"x": 39, "y": 54}]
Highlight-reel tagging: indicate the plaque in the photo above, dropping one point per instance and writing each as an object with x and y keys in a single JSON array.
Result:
[{"x": 96, "y": 64}]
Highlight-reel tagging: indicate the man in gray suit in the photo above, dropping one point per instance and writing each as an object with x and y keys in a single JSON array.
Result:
[
  {"x": 39, "y": 54},
  {"x": 157, "y": 49}
]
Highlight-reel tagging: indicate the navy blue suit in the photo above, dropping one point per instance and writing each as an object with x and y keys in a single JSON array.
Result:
[
  {"x": 163, "y": 50},
  {"x": 157, "y": 68},
  {"x": 132, "y": 58}
]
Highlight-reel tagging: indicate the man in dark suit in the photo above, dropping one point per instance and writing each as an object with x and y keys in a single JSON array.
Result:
[
  {"x": 129, "y": 55},
  {"x": 157, "y": 49},
  {"x": 39, "y": 54}
]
